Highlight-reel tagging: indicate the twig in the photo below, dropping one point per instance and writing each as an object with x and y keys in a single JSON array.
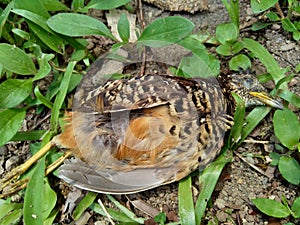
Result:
[
  {"x": 251, "y": 165},
  {"x": 278, "y": 8},
  {"x": 105, "y": 211}
]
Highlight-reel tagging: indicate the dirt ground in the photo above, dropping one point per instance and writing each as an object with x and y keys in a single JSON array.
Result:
[{"x": 239, "y": 183}]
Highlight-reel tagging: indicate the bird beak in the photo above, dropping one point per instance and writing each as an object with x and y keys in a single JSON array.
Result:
[{"x": 267, "y": 100}]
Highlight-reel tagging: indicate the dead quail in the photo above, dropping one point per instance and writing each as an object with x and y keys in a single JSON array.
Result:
[{"x": 134, "y": 134}]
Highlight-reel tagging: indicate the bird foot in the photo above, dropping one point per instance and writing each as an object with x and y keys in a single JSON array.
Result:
[{"x": 9, "y": 181}]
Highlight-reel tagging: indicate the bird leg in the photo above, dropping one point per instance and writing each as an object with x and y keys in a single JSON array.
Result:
[
  {"x": 21, "y": 184},
  {"x": 15, "y": 173}
]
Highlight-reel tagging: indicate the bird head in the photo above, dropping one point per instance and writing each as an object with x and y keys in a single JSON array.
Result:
[{"x": 248, "y": 87}]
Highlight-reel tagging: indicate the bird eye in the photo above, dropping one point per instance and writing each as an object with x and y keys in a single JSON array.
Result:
[{"x": 248, "y": 83}]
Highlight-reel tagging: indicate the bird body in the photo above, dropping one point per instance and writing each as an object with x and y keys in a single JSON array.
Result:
[{"x": 134, "y": 134}]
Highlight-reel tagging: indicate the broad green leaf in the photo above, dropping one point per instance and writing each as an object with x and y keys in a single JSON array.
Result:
[
  {"x": 194, "y": 66},
  {"x": 272, "y": 16},
  {"x": 77, "y": 4},
  {"x": 260, "y": 6},
  {"x": 16, "y": 60},
  {"x": 288, "y": 25},
  {"x": 224, "y": 49},
  {"x": 49, "y": 200},
  {"x": 290, "y": 169},
  {"x": 265, "y": 57},
  {"x": 287, "y": 127},
  {"x": 4, "y": 14},
  {"x": 14, "y": 91},
  {"x": 165, "y": 31},
  {"x": 227, "y": 32},
  {"x": 10, "y": 123},
  {"x": 239, "y": 61},
  {"x": 290, "y": 97},
  {"x": 34, "y": 6},
  {"x": 51, "y": 40},
  {"x": 33, "y": 17},
  {"x": 296, "y": 208},
  {"x": 185, "y": 202},
  {"x": 207, "y": 182},
  {"x": 124, "y": 28},
  {"x": 271, "y": 207},
  {"x": 84, "y": 204},
  {"x": 106, "y": 4},
  {"x": 34, "y": 196},
  {"x": 54, "y": 5},
  {"x": 75, "y": 25}
]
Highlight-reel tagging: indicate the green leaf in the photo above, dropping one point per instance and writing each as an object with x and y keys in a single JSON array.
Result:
[
  {"x": 272, "y": 16},
  {"x": 185, "y": 202},
  {"x": 265, "y": 57},
  {"x": 166, "y": 31},
  {"x": 14, "y": 91},
  {"x": 194, "y": 66},
  {"x": 239, "y": 116},
  {"x": 7, "y": 207},
  {"x": 60, "y": 97},
  {"x": 42, "y": 98},
  {"x": 275, "y": 158},
  {"x": 49, "y": 200},
  {"x": 239, "y": 61},
  {"x": 33, "y": 135},
  {"x": 207, "y": 182},
  {"x": 106, "y": 4},
  {"x": 227, "y": 32},
  {"x": 287, "y": 127},
  {"x": 290, "y": 169},
  {"x": 288, "y": 25},
  {"x": 116, "y": 215},
  {"x": 260, "y": 6},
  {"x": 84, "y": 204},
  {"x": 34, "y": 6},
  {"x": 54, "y": 5},
  {"x": 259, "y": 26},
  {"x": 271, "y": 207},
  {"x": 34, "y": 200},
  {"x": 224, "y": 49},
  {"x": 51, "y": 40},
  {"x": 233, "y": 11},
  {"x": 16, "y": 60},
  {"x": 296, "y": 208},
  {"x": 124, "y": 28},
  {"x": 125, "y": 210},
  {"x": 290, "y": 97},
  {"x": 4, "y": 15},
  {"x": 252, "y": 120},
  {"x": 10, "y": 123},
  {"x": 12, "y": 218},
  {"x": 76, "y": 25}
]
